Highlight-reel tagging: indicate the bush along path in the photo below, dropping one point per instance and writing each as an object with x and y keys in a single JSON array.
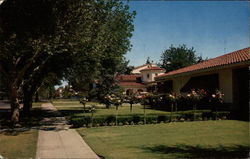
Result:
[
  {"x": 56, "y": 140},
  {"x": 139, "y": 119}
]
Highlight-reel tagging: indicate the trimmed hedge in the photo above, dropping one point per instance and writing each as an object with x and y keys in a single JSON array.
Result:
[
  {"x": 85, "y": 121},
  {"x": 162, "y": 118}
]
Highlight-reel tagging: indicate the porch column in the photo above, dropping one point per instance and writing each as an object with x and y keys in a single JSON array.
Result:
[
  {"x": 226, "y": 84},
  {"x": 179, "y": 82}
]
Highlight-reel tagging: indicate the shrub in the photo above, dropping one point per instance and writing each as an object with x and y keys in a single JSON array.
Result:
[
  {"x": 85, "y": 121},
  {"x": 152, "y": 119},
  {"x": 110, "y": 119},
  {"x": 99, "y": 121},
  {"x": 152, "y": 100},
  {"x": 124, "y": 119},
  {"x": 221, "y": 115},
  {"x": 80, "y": 121},
  {"x": 206, "y": 115},
  {"x": 162, "y": 118},
  {"x": 176, "y": 117},
  {"x": 212, "y": 115},
  {"x": 136, "y": 119},
  {"x": 190, "y": 116}
]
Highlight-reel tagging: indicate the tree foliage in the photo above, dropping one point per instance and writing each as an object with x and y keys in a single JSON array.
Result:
[
  {"x": 39, "y": 37},
  {"x": 178, "y": 57},
  {"x": 124, "y": 68}
]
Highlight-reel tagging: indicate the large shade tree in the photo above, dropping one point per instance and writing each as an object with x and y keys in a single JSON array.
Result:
[
  {"x": 39, "y": 37},
  {"x": 177, "y": 57}
]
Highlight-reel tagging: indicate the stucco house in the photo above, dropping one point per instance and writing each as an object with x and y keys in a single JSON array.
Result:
[
  {"x": 141, "y": 79},
  {"x": 137, "y": 69},
  {"x": 228, "y": 73},
  {"x": 131, "y": 83}
]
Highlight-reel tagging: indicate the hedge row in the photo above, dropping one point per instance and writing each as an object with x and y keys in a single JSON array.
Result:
[{"x": 86, "y": 121}]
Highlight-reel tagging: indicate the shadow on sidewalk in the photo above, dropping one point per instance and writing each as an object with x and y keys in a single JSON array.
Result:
[{"x": 39, "y": 118}]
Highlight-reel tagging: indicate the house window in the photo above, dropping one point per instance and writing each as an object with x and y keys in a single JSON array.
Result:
[
  {"x": 156, "y": 74},
  {"x": 148, "y": 75}
]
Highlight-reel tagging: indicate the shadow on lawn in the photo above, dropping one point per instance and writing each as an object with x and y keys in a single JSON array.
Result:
[
  {"x": 198, "y": 151},
  {"x": 35, "y": 120},
  {"x": 72, "y": 112}
]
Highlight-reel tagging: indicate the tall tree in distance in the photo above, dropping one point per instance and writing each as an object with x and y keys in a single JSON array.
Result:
[
  {"x": 178, "y": 57},
  {"x": 148, "y": 60}
]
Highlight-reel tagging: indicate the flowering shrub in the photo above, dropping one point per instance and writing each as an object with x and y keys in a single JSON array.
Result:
[
  {"x": 198, "y": 98},
  {"x": 108, "y": 100},
  {"x": 197, "y": 95},
  {"x": 83, "y": 101},
  {"x": 217, "y": 97},
  {"x": 152, "y": 100},
  {"x": 112, "y": 99},
  {"x": 132, "y": 99},
  {"x": 117, "y": 101},
  {"x": 171, "y": 97}
]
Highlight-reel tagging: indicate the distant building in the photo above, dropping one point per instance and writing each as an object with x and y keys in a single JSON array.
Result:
[
  {"x": 137, "y": 69},
  {"x": 131, "y": 83},
  {"x": 141, "y": 79}
]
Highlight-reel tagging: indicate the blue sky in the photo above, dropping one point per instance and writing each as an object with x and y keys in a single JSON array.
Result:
[{"x": 212, "y": 28}]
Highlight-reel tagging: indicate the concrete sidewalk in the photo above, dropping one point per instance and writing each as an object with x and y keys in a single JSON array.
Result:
[{"x": 56, "y": 140}]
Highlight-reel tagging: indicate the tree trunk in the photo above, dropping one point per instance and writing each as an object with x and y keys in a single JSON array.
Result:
[
  {"x": 171, "y": 115},
  {"x": 145, "y": 120},
  {"x": 131, "y": 107},
  {"x": 176, "y": 105},
  {"x": 116, "y": 115},
  {"x": 194, "y": 109},
  {"x": 84, "y": 107},
  {"x": 27, "y": 103},
  {"x": 37, "y": 97},
  {"x": 107, "y": 106},
  {"x": 15, "y": 106}
]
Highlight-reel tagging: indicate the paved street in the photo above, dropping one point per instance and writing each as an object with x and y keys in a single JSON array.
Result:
[{"x": 4, "y": 105}]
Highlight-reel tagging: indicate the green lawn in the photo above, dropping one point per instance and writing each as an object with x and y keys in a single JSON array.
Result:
[
  {"x": 204, "y": 139},
  {"x": 77, "y": 110},
  {"x": 37, "y": 104},
  {"x": 65, "y": 102},
  {"x": 74, "y": 108},
  {"x": 18, "y": 144}
]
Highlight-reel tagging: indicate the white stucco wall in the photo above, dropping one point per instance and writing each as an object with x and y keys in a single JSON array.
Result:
[
  {"x": 152, "y": 75},
  {"x": 226, "y": 84}
]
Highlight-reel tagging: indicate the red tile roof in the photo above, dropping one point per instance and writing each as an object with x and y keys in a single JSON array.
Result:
[
  {"x": 128, "y": 77},
  {"x": 144, "y": 65},
  {"x": 140, "y": 66},
  {"x": 131, "y": 84},
  {"x": 230, "y": 58},
  {"x": 152, "y": 68}
]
